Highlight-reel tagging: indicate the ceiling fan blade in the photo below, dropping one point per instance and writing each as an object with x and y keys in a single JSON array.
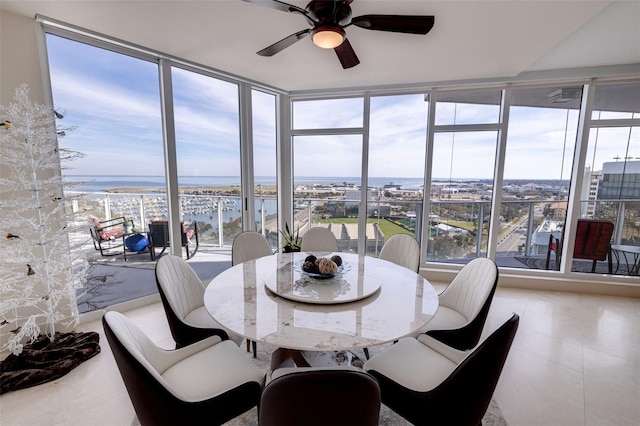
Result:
[
  {"x": 395, "y": 23},
  {"x": 278, "y": 5},
  {"x": 347, "y": 55},
  {"x": 284, "y": 43}
]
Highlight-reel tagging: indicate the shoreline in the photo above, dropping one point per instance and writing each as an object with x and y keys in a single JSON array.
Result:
[{"x": 192, "y": 190}]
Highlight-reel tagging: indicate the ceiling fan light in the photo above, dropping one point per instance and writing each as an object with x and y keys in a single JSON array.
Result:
[{"x": 328, "y": 37}]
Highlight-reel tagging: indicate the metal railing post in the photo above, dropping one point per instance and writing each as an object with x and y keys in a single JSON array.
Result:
[
  {"x": 529, "y": 229},
  {"x": 220, "y": 223},
  {"x": 480, "y": 229},
  {"x": 620, "y": 222},
  {"x": 107, "y": 207},
  {"x": 143, "y": 220}
]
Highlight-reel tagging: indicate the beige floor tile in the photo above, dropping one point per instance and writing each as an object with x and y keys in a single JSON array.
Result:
[
  {"x": 575, "y": 361},
  {"x": 611, "y": 400}
]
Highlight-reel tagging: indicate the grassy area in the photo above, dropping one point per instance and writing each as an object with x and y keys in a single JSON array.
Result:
[
  {"x": 463, "y": 224},
  {"x": 387, "y": 227}
]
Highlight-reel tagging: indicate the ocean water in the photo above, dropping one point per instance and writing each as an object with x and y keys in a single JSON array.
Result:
[{"x": 99, "y": 183}]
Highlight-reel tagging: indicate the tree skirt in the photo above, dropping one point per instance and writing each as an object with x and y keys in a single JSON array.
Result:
[{"x": 43, "y": 360}]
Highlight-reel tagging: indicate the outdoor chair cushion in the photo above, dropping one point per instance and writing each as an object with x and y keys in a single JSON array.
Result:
[{"x": 107, "y": 234}]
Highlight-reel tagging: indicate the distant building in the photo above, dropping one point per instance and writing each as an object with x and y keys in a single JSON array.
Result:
[
  {"x": 558, "y": 210},
  {"x": 590, "y": 192},
  {"x": 620, "y": 180},
  {"x": 540, "y": 237},
  {"x": 354, "y": 195},
  {"x": 393, "y": 186}
]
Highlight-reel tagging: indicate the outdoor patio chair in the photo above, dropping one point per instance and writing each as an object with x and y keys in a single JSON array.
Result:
[
  {"x": 593, "y": 242},
  {"x": 107, "y": 234},
  {"x": 159, "y": 237}
]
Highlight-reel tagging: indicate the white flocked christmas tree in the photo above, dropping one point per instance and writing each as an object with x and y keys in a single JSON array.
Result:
[{"x": 38, "y": 274}]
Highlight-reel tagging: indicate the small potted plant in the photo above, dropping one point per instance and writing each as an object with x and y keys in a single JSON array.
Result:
[
  {"x": 291, "y": 241},
  {"x": 128, "y": 226}
]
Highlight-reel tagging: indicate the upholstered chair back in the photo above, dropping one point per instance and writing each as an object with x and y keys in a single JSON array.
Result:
[
  {"x": 249, "y": 245},
  {"x": 319, "y": 239},
  {"x": 316, "y": 396},
  {"x": 403, "y": 250},
  {"x": 138, "y": 344},
  {"x": 470, "y": 288},
  {"x": 181, "y": 285}
]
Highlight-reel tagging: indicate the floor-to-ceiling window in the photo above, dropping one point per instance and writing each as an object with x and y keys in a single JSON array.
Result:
[
  {"x": 464, "y": 157},
  {"x": 111, "y": 107},
  {"x": 397, "y": 135},
  {"x": 327, "y": 167},
  {"x": 539, "y": 154},
  {"x": 206, "y": 111},
  {"x": 265, "y": 163}
]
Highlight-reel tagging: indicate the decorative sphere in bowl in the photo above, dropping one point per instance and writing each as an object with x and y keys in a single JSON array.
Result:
[{"x": 327, "y": 266}]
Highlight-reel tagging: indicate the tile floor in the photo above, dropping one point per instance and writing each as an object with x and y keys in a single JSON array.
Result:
[{"x": 575, "y": 361}]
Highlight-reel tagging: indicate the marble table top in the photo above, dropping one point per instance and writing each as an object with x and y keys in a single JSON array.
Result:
[{"x": 238, "y": 298}]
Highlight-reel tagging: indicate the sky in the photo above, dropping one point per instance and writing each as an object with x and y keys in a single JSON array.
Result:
[{"x": 113, "y": 103}]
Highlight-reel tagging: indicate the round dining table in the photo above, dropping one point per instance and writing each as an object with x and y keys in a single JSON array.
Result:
[{"x": 367, "y": 302}]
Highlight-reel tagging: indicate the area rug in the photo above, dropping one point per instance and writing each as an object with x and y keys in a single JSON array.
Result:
[{"x": 44, "y": 360}]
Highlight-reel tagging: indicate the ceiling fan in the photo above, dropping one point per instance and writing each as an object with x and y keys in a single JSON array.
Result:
[{"x": 329, "y": 19}]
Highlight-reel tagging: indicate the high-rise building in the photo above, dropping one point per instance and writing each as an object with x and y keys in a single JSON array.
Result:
[
  {"x": 590, "y": 192},
  {"x": 620, "y": 180}
]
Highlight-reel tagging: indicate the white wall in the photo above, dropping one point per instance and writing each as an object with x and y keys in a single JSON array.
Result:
[
  {"x": 19, "y": 63},
  {"x": 19, "y": 57}
]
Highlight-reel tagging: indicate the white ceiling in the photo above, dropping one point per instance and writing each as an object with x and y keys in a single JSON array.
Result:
[{"x": 473, "y": 39}]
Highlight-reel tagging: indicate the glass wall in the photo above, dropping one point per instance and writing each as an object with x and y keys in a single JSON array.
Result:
[
  {"x": 611, "y": 184},
  {"x": 397, "y": 142},
  {"x": 207, "y": 123},
  {"x": 327, "y": 167},
  {"x": 462, "y": 171},
  {"x": 327, "y": 182},
  {"x": 265, "y": 164},
  {"x": 496, "y": 188},
  {"x": 541, "y": 141},
  {"x": 111, "y": 108}
]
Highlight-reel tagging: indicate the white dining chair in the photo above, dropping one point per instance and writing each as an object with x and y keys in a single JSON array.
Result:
[
  {"x": 403, "y": 250},
  {"x": 428, "y": 382},
  {"x": 182, "y": 295},
  {"x": 247, "y": 246},
  {"x": 463, "y": 306},
  {"x": 319, "y": 239},
  {"x": 207, "y": 380}
]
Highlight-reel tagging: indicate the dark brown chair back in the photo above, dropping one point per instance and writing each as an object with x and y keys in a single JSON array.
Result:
[{"x": 321, "y": 397}]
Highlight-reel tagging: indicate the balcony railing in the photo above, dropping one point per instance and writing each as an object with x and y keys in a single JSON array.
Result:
[{"x": 458, "y": 230}]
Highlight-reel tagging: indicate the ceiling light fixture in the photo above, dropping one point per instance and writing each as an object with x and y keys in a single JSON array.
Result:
[{"x": 328, "y": 36}]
